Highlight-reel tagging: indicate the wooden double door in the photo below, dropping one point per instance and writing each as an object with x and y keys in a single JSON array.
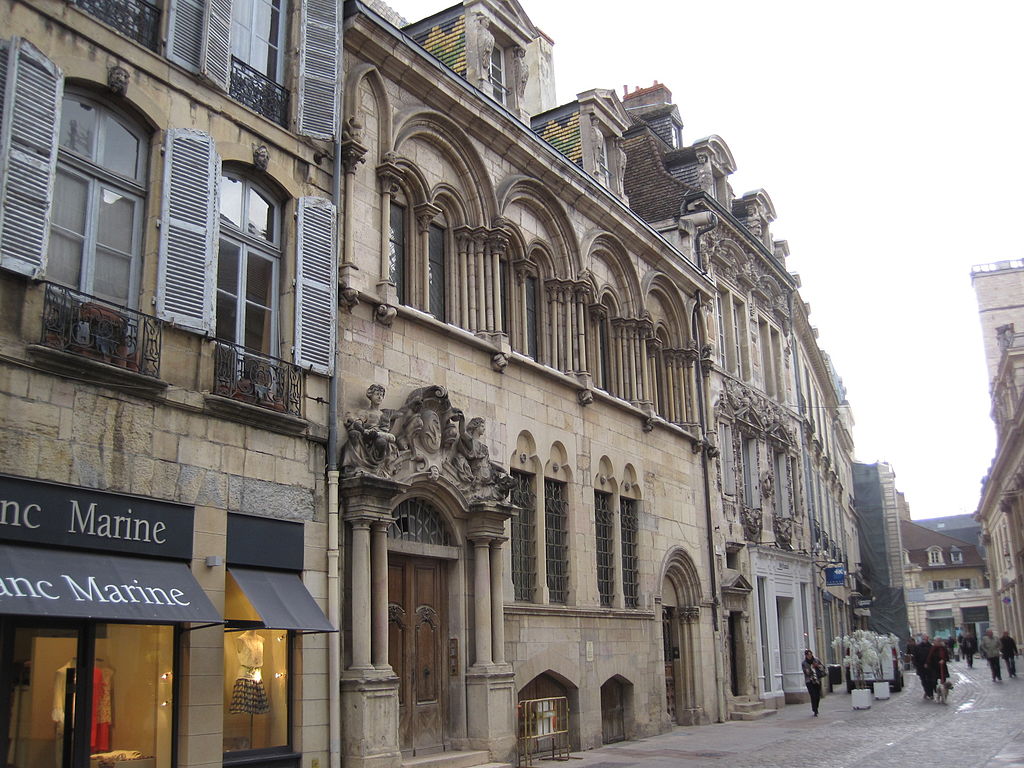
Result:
[{"x": 417, "y": 638}]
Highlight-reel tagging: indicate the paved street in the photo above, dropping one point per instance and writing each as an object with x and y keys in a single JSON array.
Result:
[{"x": 982, "y": 726}]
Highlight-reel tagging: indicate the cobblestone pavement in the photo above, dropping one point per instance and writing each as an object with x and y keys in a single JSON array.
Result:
[{"x": 982, "y": 726}]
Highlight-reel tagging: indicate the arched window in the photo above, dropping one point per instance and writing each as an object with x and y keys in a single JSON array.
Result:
[
  {"x": 248, "y": 265},
  {"x": 397, "y": 252},
  {"x": 418, "y": 520},
  {"x": 98, "y": 201}
]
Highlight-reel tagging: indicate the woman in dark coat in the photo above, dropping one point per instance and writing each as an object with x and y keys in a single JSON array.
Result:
[
  {"x": 938, "y": 666},
  {"x": 813, "y": 671}
]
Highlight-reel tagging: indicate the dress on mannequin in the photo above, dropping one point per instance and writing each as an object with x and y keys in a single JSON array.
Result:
[{"x": 249, "y": 697}]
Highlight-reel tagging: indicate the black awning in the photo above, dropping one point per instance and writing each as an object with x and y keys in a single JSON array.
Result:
[
  {"x": 281, "y": 600},
  {"x": 68, "y": 584}
]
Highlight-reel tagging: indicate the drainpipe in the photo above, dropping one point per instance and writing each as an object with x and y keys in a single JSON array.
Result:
[{"x": 333, "y": 509}]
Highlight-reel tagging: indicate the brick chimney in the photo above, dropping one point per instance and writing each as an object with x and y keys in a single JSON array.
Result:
[{"x": 655, "y": 95}]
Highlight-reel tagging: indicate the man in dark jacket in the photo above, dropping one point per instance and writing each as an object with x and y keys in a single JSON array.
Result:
[
  {"x": 921, "y": 652},
  {"x": 969, "y": 647},
  {"x": 1008, "y": 650}
]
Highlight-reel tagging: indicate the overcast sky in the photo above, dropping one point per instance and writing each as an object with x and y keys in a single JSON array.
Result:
[{"x": 889, "y": 136}]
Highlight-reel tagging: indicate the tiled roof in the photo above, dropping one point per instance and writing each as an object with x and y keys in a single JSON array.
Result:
[
  {"x": 447, "y": 41},
  {"x": 654, "y": 193},
  {"x": 917, "y": 540},
  {"x": 563, "y": 133}
]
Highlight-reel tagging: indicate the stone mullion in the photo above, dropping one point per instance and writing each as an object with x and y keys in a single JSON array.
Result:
[
  {"x": 658, "y": 377},
  {"x": 464, "y": 242},
  {"x": 388, "y": 189},
  {"x": 480, "y": 286},
  {"x": 486, "y": 293},
  {"x": 581, "y": 325},
  {"x": 521, "y": 341},
  {"x": 631, "y": 351},
  {"x": 567, "y": 329},
  {"x": 616, "y": 361},
  {"x": 499, "y": 246},
  {"x": 552, "y": 330},
  {"x": 471, "y": 283}
]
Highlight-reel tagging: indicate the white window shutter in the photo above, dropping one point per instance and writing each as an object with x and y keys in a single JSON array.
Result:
[
  {"x": 33, "y": 87},
  {"x": 188, "y": 230},
  {"x": 318, "y": 69},
  {"x": 316, "y": 285},
  {"x": 185, "y": 30},
  {"x": 215, "y": 57}
]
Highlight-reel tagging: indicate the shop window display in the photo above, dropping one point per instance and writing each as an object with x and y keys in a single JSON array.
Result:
[
  {"x": 255, "y": 679},
  {"x": 96, "y": 695}
]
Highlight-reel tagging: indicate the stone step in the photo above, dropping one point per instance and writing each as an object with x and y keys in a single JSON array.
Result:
[
  {"x": 467, "y": 759},
  {"x": 749, "y": 710}
]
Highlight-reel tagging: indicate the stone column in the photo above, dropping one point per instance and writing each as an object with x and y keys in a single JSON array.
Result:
[
  {"x": 361, "y": 595},
  {"x": 497, "y": 604},
  {"x": 389, "y": 175},
  {"x": 464, "y": 240},
  {"x": 482, "y": 601},
  {"x": 379, "y": 581},
  {"x": 480, "y": 322}
]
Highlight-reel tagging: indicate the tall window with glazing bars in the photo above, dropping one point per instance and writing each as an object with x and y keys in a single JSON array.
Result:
[
  {"x": 630, "y": 570},
  {"x": 604, "y": 522},
  {"x": 524, "y": 540},
  {"x": 556, "y": 521}
]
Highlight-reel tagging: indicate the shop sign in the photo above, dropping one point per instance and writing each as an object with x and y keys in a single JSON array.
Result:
[
  {"x": 33, "y": 512},
  {"x": 835, "y": 576}
]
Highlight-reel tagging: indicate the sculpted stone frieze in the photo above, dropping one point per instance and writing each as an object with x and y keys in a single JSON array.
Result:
[{"x": 427, "y": 435}]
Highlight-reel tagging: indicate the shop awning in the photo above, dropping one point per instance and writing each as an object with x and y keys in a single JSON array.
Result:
[
  {"x": 281, "y": 600},
  {"x": 82, "y": 585}
]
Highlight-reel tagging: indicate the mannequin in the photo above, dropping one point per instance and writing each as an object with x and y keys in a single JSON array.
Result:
[{"x": 249, "y": 696}]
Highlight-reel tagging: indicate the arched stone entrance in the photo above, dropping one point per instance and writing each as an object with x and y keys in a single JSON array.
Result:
[
  {"x": 680, "y": 602},
  {"x": 425, "y": 512}
]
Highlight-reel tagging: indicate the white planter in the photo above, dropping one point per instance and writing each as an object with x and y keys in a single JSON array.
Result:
[
  {"x": 882, "y": 690},
  {"x": 861, "y": 698}
]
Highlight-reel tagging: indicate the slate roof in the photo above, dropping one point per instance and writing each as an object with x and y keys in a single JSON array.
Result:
[
  {"x": 917, "y": 539},
  {"x": 655, "y": 193}
]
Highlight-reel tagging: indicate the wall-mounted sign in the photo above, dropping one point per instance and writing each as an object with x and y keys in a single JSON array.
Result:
[
  {"x": 34, "y": 512},
  {"x": 1007, "y": 600},
  {"x": 835, "y": 576}
]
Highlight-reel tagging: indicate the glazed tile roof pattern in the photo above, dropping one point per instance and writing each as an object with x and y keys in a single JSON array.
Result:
[
  {"x": 563, "y": 133},
  {"x": 447, "y": 41}
]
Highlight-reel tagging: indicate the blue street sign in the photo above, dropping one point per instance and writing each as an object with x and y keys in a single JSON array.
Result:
[{"x": 835, "y": 576}]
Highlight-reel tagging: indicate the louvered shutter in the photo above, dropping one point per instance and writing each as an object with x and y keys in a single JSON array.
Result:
[
  {"x": 215, "y": 58},
  {"x": 29, "y": 123},
  {"x": 316, "y": 285},
  {"x": 188, "y": 230},
  {"x": 185, "y": 28},
  {"x": 318, "y": 69}
]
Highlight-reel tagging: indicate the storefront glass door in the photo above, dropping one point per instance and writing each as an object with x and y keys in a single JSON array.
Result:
[{"x": 88, "y": 695}]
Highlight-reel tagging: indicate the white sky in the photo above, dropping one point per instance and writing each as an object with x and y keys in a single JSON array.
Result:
[{"x": 889, "y": 136}]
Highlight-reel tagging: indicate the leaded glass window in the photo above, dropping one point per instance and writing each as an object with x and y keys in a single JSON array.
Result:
[
  {"x": 524, "y": 537},
  {"x": 436, "y": 270},
  {"x": 557, "y": 540},
  {"x": 417, "y": 520},
  {"x": 396, "y": 249},
  {"x": 605, "y": 524},
  {"x": 630, "y": 574}
]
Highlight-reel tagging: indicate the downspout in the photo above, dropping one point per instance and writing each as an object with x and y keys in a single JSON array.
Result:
[
  {"x": 705, "y": 222},
  {"x": 333, "y": 511}
]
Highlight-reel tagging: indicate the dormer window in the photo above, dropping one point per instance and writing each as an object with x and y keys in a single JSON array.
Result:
[
  {"x": 497, "y": 76},
  {"x": 956, "y": 556},
  {"x": 935, "y": 556}
]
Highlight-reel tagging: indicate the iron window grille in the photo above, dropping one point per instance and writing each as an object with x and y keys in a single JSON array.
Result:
[
  {"x": 417, "y": 520},
  {"x": 90, "y": 327},
  {"x": 258, "y": 92},
  {"x": 250, "y": 377},
  {"x": 556, "y": 540},
  {"x": 135, "y": 19},
  {"x": 524, "y": 540},
  {"x": 630, "y": 572},
  {"x": 605, "y": 524}
]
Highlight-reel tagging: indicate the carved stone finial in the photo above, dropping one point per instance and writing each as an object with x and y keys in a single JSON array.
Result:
[
  {"x": 260, "y": 156},
  {"x": 117, "y": 80},
  {"x": 348, "y": 297},
  {"x": 385, "y": 314},
  {"x": 585, "y": 397},
  {"x": 499, "y": 362}
]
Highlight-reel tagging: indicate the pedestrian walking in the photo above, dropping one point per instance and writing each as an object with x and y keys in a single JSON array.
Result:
[
  {"x": 921, "y": 652},
  {"x": 813, "y": 670},
  {"x": 969, "y": 647},
  {"x": 938, "y": 669},
  {"x": 1008, "y": 650},
  {"x": 990, "y": 650}
]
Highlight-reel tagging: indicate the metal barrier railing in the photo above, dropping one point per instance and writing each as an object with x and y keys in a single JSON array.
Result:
[{"x": 543, "y": 725}]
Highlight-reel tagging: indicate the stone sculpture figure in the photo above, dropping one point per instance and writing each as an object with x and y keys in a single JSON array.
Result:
[
  {"x": 371, "y": 446},
  {"x": 484, "y": 45}
]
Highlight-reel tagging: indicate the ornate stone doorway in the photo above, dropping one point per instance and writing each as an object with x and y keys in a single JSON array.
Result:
[{"x": 416, "y": 639}]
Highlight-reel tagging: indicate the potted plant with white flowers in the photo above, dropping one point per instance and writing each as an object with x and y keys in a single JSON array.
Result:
[{"x": 860, "y": 654}]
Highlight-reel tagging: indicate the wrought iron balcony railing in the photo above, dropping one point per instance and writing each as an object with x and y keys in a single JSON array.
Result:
[
  {"x": 258, "y": 92},
  {"x": 90, "y": 327},
  {"x": 250, "y": 377},
  {"x": 136, "y": 19}
]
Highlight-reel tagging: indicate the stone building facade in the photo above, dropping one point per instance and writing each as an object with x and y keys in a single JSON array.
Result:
[{"x": 377, "y": 399}]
